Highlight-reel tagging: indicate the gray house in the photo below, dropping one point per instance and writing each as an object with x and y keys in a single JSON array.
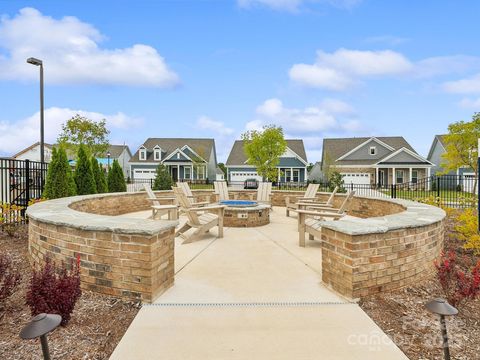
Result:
[
  {"x": 374, "y": 160},
  {"x": 121, "y": 153},
  {"x": 292, "y": 166},
  {"x": 185, "y": 159},
  {"x": 315, "y": 173}
]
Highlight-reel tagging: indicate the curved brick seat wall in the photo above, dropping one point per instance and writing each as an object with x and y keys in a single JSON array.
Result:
[{"x": 120, "y": 256}]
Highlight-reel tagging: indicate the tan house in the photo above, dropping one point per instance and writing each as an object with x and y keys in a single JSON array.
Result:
[{"x": 380, "y": 161}]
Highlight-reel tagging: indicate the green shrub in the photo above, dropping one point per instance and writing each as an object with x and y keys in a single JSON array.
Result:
[
  {"x": 99, "y": 176},
  {"x": 116, "y": 181},
  {"x": 59, "y": 177},
  {"x": 84, "y": 174},
  {"x": 163, "y": 180},
  {"x": 335, "y": 179}
]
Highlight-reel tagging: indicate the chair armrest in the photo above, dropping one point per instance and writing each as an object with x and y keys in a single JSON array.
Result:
[
  {"x": 321, "y": 214},
  {"x": 200, "y": 203},
  {"x": 216, "y": 207},
  {"x": 313, "y": 203}
]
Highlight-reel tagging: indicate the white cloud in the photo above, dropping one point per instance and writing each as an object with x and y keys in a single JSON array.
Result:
[
  {"x": 207, "y": 123},
  {"x": 17, "y": 135},
  {"x": 470, "y": 103},
  {"x": 463, "y": 86},
  {"x": 387, "y": 39},
  {"x": 341, "y": 69},
  {"x": 336, "y": 106},
  {"x": 295, "y": 5},
  {"x": 71, "y": 53},
  {"x": 443, "y": 65}
]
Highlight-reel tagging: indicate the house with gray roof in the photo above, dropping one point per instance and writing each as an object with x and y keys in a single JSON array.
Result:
[
  {"x": 121, "y": 153},
  {"x": 292, "y": 166},
  {"x": 435, "y": 154},
  {"x": 380, "y": 161},
  {"x": 185, "y": 158}
]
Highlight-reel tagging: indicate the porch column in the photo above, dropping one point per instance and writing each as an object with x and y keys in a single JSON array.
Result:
[
  {"x": 429, "y": 182},
  {"x": 178, "y": 173},
  {"x": 377, "y": 180},
  {"x": 278, "y": 175},
  {"x": 206, "y": 172},
  {"x": 191, "y": 172},
  {"x": 410, "y": 177},
  {"x": 394, "y": 180},
  {"x": 291, "y": 174}
]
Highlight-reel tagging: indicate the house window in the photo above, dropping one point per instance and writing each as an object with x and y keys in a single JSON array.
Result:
[
  {"x": 296, "y": 175},
  {"x": 373, "y": 150},
  {"x": 178, "y": 155},
  {"x": 143, "y": 154},
  {"x": 157, "y": 154},
  {"x": 399, "y": 176},
  {"x": 414, "y": 176},
  {"x": 201, "y": 172},
  {"x": 187, "y": 173},
  {"x": 288, "y": 175}
]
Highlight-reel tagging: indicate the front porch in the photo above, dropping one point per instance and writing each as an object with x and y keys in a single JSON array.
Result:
[
  {"x": 394, "y": 175},
  {"x": 187, "y": 171}
]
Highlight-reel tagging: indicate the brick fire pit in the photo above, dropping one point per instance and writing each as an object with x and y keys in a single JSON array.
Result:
[{"x": 246, "y": 216}]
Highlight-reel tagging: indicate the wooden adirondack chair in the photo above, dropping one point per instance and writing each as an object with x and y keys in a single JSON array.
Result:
[
  {"x": 328, "y": 204},
  {"x": 188, "y": 193},
  {"x": 291, "y": 201},
  {"x": 264, "y": 193},
  {"x": 221, "y": 190},
  {"x": 158, "y": 209},
  {"x": 199, "y": 218},
  {"x": 310, "y": 219}
]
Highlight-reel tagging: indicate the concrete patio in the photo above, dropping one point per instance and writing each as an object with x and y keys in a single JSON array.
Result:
[{"x": 254, "y": 294}]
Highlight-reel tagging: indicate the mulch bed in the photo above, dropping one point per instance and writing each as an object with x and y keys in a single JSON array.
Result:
[
  {"x": 97, "y": 324},
  {"x": 402, "y": 316}
]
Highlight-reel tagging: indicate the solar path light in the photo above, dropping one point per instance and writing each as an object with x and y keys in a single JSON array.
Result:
[
  {"x": 443, "y": 308},
  {"x": 40, "y": 326}
]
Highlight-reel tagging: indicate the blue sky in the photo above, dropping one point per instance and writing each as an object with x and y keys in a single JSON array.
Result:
[{"x": 319, "y": 68}]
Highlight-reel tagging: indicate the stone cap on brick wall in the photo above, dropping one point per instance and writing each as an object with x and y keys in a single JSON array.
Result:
[
  {"x": 58, "y": 212},
  {"x": 415, "y": 215}
]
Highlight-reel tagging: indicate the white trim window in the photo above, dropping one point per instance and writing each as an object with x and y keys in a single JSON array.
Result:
[
  {"x": 157, "y": 154},
  {"x": 288, "y": 175},
  {"x": 200, "y": 172},
  {"x": 373, "y": 150},
  {"x": 414, "y": 176},
  {"x": 399, "y": 176},
  {"x": 296, "y": 175},
  {"x": 187, "y": 173},
  {"x": 142, "y": 154}
]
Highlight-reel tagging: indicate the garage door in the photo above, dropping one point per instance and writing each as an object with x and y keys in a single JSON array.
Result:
[
  {"x": 236, "y": 176},
  {"x": 144, "y": 174},
  {"x": 357, "y": 179}
]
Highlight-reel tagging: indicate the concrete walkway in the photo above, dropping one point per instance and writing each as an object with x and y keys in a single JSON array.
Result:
[{"x": 255, "y": 294}]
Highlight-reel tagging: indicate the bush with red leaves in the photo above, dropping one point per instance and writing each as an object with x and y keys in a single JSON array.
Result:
[
  {"x": 54, "y": 290},
  {"x": 458, "y": 285},
  {"x": 9, "y": 277}
]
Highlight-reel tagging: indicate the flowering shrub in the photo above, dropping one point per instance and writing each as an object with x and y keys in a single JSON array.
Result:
[
  {"x": 54, "y": 290},
  {"x": 457, "y": 284},
  {"x": 10, "y": 218},
  {"x": 9, "y": 277},
  {"x": 467, "y": 230}
]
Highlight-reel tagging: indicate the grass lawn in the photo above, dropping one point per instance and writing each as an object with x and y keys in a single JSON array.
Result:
[{"x": 444, "y": 195}]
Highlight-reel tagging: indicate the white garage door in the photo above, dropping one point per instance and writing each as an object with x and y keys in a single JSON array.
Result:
[
  {"x": 357, "y": 179},
  {"x": 144, "y": 174},
  {"x": 244, "y": 175}
]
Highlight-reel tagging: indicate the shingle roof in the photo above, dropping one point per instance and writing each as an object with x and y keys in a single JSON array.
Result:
[
  {"x": 49, "y": 146},
  {"x": 116, "y": 150},
  {"x": 202, "y": 147},
  {"x": 335, "y": 148},
  {"x": 237, "y": 155}
]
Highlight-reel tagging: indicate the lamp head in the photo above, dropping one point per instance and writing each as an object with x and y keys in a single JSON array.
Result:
[{"x": 34, "y": 61}]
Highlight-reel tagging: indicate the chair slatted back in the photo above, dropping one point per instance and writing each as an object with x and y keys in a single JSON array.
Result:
[
  {"x": 185, "y": 187},
  {"x": 311, "y": 191},
  {"x": 151, "y": 194},
  {"x": 221, "y": 190},
  {"x": 185, "y": 204},
  {"x": 263, "y": 192},
  {"x": 332, "y": 196},
  {"x": 346, "y": 203}
]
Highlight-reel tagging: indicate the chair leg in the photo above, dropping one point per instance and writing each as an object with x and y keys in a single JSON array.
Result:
[
  {"x": 311, "y": 237},
  {"x": 301, "y": 230}
]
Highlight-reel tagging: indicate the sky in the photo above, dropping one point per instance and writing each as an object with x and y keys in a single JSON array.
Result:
[{"x": 200, "y": 68}]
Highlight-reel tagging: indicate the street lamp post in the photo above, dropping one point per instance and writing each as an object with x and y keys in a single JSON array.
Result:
[
  {"x": 108, "y": 157},
  {"x": 38, "y": 62}
]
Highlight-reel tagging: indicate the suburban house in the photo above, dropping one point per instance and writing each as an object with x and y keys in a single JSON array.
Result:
[
  {"x": 315, "y": 174},
  {"x": 292, "y": 166},
  {"x": 220, "y": 174},
  {"x": 33, "y": 153},
  {"x": 121, "y": 153},
  {"x": 380, "y": 161},
  {"x": 185, "y": 159}
]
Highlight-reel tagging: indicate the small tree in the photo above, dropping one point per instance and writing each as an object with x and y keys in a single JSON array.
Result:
[
  {"x": 99, "y": 176},
  {"x": 81, "y": 130},
  {"x": 335, "y": 180},
  {"x": 263, "y": 150},
  {"x": 461, "y": 146},
  {"x": 163, "y": 180},
  {"x": 84, "y": 174},
  {"x": 116, "y": 181},
  {"x": 59, "y": 177}
]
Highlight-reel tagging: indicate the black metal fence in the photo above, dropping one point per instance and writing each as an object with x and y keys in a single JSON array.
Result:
[{"x": 21, "y": 181}]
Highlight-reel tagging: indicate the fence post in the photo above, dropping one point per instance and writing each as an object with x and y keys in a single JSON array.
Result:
[
  {"x": 27, "y": 182},
  {"x": 151, "y": 183},
  {"x": 438, "y": 186},
  {"x": 392, "y": 191}
]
